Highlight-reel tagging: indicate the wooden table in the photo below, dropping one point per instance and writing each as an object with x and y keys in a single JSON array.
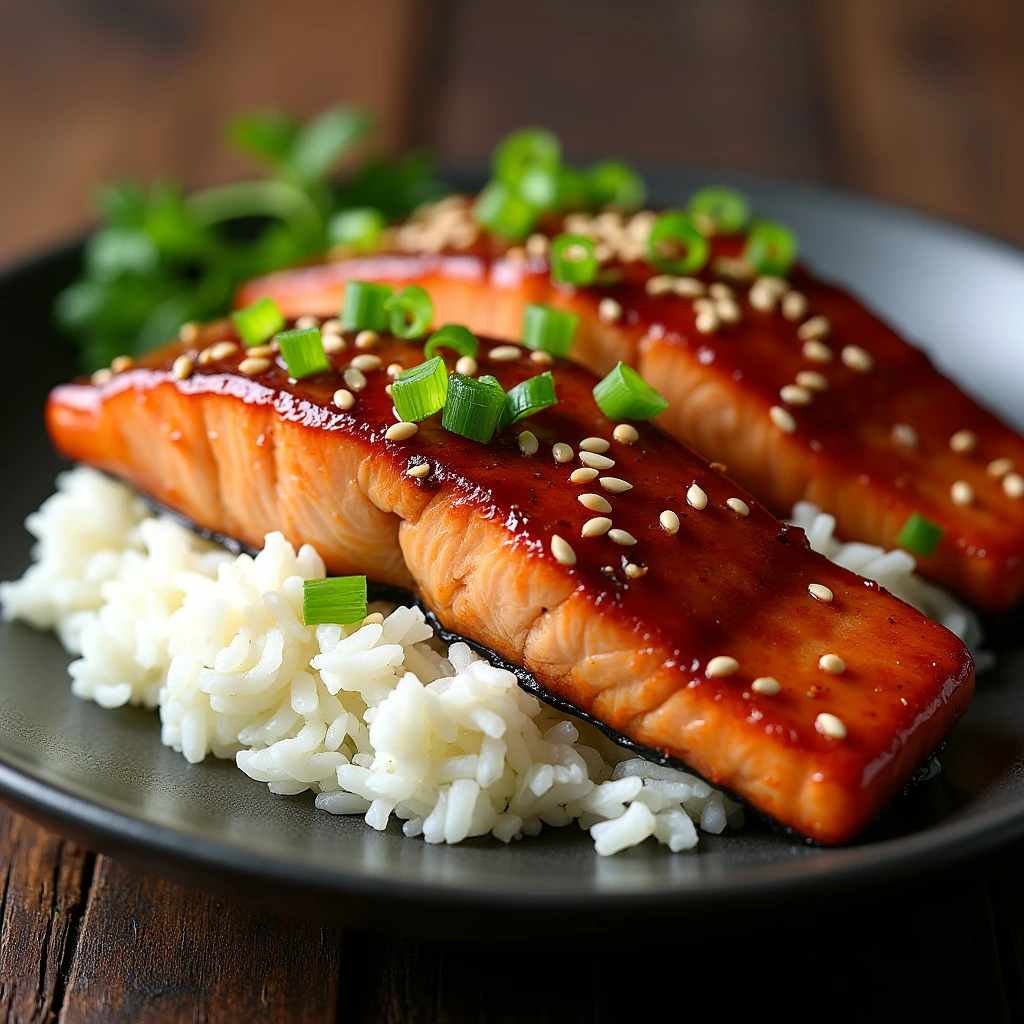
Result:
[{"x": 918, "y": 101}]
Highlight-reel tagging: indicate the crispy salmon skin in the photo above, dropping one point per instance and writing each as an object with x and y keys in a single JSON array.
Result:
[
  {"x": 793, "y": 384},
  {"x": 712, "y": 633}
]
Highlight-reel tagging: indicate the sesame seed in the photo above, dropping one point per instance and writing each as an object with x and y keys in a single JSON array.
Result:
[
  {"x": 596, "y": 527},
  {"x": 963, "y": 441},
  {"x": 182, "y": 367},
  {"x": 101, "y": 376},
  {"x": 905, "y": 702},
  {"x": 354, "y": 378},
  {"x": 188, "y": 332},
  {"x": 767, "y": 685},
  {"x": 762, "y": 299},
  {"x": 331, "y": 326},
  {"x": 253, "y": 365},
  {"x": 537, "y": 245},
  {"x": 720, "y": 290},
  {"x": 394, "y": 369},
  {"x": 782, "y": 418},
  {"x": 962, "y": 493},
  {"x": 688, "y": 287},
  {"x": 814, "y": 329},
  {"x": 832, "y": 664},
  {"x": 707, "y": 321},
  {"x": 615, "y": 484},
  {"x": 387, "y": 390},
  {"x": 562, "y": 452},
  {"x": 517, "y": 254},
  {"x": 1000, "y": 467},
  {"x": 857, "y": 359},
  {"x": 401, "y": 431},
  {"x": 904, "y": 434},
  {"x": 830, "y": 726},
  {"x": 820, "y": 592},
  {"x": 344, "y": 399},
  {"x": 739, "y": 506},
  {"x": 259, "y": 352},
  {"x": 333, "y": 343},
  {"x": 505, "y": 354},
  {"x": 304, "y": 323},
  {"x": 366, "y": 363},
  {"x": 582, "y": 476},
  {"x": 794, "y": 305},
  {"x": 542, "y": 358},
  {"x": 373, "y": 619},
  {"x": 609, "y": 311},
  {"x": 773, "y": 283},
  {"x": 595, "y": 502},
  {"x": 728, "y": 311},
  {"x": 595, "y": 444},
  {"x": 1013, "y": 485},
  {"x": 669, "y": 522},
  {"x": 596, "y": 461},
  {"x": 528, "y": 443},
  {"x": 817, "y": 352},
  {"x": 626, "y": 433},
  {"x": 222, "y": 350},
  {"x": 419, "y": 471},
  {"x": 720, "y": 467},
  {"x": 660, "y": 284},
  {"x": 366, "y": 339},
  {"x": 467, "y": 366},
  {"x": 793, "y": 394},
  {"x": 635, "y": 572},
  {"x": 562, "y": 551},
  {"x": 695, "y": 497},
  {"x": 121, "y": 363},
  {"x": 622, "y": 537},
  {"x": 812, "y": 380},
  {"x": 721, "y": 666}
]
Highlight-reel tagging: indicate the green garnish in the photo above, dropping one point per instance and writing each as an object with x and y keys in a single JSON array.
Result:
[
  {"x": 625, "y": 395},
  {"x": 528, "y": 397},
  {"x": 727, "y": 208},
  {"x": 504, "y": 212},
  {"x": 614, "y": 183},
  {"x": 335, "y": 601},
  {"x": 409, "y": 312},
  {"x": 360, "y": 228},
  {"x": 676, "y": 245},
  {"x": 573, "y": 189},
  {"x": 474, "y": 407},
  {"x": 771, "y": 248},
  {"x": 572, "y": 259},
  {"x": 920, "y": 535},
  {"x": 363, "y": 308},
  {"x": 421, "y": 390},
  {"x": 454, "y": 336},
  {"x": 526, "y": 152},
  {"x": 303, "y": 352},
  {"x": 547, "y": 329},
  {"x": 258, "y": 322}
]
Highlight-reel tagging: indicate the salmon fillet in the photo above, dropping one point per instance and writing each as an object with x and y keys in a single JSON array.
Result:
[
  {"x": 704, "y": 642},
  {"x": 826, "y": 404}
]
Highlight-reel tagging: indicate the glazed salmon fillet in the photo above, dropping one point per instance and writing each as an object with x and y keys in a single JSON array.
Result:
[
  {"x": 698, "y": 625},
  {"x": 802, "y": 392}
]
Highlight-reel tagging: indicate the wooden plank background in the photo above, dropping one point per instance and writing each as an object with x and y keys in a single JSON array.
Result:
[{"x": 918, "y": 101}]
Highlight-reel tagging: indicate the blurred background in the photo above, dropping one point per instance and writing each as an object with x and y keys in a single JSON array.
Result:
[{"x": 918, "y": 101}]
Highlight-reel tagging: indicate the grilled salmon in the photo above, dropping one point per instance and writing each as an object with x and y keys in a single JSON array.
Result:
[
  {"x": 801, "y": 391},
  {"x": 634, "y": 581}
]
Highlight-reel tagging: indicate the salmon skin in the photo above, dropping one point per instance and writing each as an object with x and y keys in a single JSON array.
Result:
[
  {"x": 702, "y": 642},
  {"x": 802, "y": 392}
]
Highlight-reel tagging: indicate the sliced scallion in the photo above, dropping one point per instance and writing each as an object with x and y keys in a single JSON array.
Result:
[
  {"x": 504, "y": 212},
  {"x": 409, "y": 312},
  {"x": 363, "y": 308},
  {"x": 528, "y": 397},
  {"x": 359, "y": 227},
  {"x": 303, "y": 352},
  {"x": 771, "y": 248},
  {"x": 920, "y": 535},
  {"x": 524, "y": 151},
  {"x": 474, "y": 407},
  {"x": 547, "y": 329},
  {"x": 256, "y": 323},
  {"x": 421, "y": 390},
  {"x": 335, "y": 601},
  {"x": 625, "y": 395},
  {"x": 454, "y": 336},
  {"x": 727, "y": 208},
  {"x": 614, "y": 183},
  {"x": 573, "y": 260},
  {"x": 573, "y": 189},
  {"x": 676, "y": 245}
]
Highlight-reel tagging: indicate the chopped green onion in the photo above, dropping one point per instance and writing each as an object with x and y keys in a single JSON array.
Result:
[
  {"x": 473, "y": 407},
  {"x": 614, "y": 183},
  {"x": 360, "y": 227},
  {"x": 547, "y": 329},
  {"x": 504, "y": 213},
  {"x": 676, "y": 245},
  {"x": 421, "y": 390},
  {"x": 573, "y": 189},
  {"x": 454, "y": 336},
  {"x": 303, "y": 352},
  {"x": 409, "y": 312},
  {"x": 258, "y": 322},
  {"x": 727, "y": 208},
  {"x": 920, "y": 535},
  {"x": 528, "y": 397},
  {"x": 525, "y": 151},
  {"x": 335, "y": 601},
  {"x": 539, "y": 188},
  {"x": 771, "y": 248},
  {"x": 625, "y": 395},
  {"x": 572, "y": 259},
  {"x": 363, "y": 308}
]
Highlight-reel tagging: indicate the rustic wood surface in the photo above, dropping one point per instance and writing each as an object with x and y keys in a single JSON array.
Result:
[{"x": 918, "y": 101}]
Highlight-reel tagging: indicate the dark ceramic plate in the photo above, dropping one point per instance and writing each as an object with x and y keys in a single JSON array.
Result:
[{"x": 103, "y": 777}]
